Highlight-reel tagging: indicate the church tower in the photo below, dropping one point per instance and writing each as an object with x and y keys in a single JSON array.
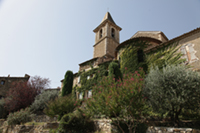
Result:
[{"x": 106, "y": 38}]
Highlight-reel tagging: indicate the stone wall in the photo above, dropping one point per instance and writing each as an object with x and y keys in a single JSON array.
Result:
[
  {"x": 171, "y": 130},
  {"x": 103, "y": 125},
  {"x": 30, "y": 128},
  {"x": 44, "y": 118}
]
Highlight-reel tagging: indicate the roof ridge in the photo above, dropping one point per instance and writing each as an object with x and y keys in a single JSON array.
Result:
[{"x": 108, "y": 17}]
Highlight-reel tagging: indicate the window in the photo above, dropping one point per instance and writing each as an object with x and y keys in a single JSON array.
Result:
[
  {"x": 80, "y": 95},
  {"x": 79, "y": 79},
  {"x": 2, "y": 82},
  {"x": 140, "y": 55},
  {"x": 188, "y": 53},
  {"x": 100, "y": 33},
  {"x": 113, "y": 33},
  {"x": 89, "y": 93}
]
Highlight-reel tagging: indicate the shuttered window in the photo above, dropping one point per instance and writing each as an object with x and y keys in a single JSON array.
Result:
[
  {"x": 80, "y": 95},
  {"x": 188, "y": 53},
  {"x": 79, "y": 79},
  {"x": 89, "y": 93}
]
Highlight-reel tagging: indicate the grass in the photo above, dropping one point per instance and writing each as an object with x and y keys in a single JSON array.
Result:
[{"x": 34, "y": 123}]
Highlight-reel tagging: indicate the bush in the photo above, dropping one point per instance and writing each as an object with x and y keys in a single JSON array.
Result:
[
  {"x": 61, "y": 106},
  {"x": 19, "y": 117},
  {"x": 41, "y": 100},
  {"x": 139, "y": 127},
  {"x": 119, "y": 100},
  {"x": 173, "y": 89},
  {"x": 77, "y": 123}
]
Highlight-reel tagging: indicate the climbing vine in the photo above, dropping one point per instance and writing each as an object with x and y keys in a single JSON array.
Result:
[
  {"x": 90, "y": 78},
  {"x": 129, "y": 61},
  {"x": 132, "y": 56}
]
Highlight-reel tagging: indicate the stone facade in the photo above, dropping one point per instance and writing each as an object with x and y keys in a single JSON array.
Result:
[{"x": 7, "y": 82}]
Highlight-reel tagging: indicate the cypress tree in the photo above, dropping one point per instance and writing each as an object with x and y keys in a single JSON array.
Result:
[{"x": 67, "y": 83}]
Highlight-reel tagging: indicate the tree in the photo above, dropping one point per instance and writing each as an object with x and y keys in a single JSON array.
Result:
[
  {"x": 67, "y": 83},
  {"x": 114, "y": 71},
  {"x": 172, "y": 89},
  {"x": 22, "y": 94},
  {"x": 41, "y": 100},
  {"x": 39, "y": 83},
  {"x": 121, "y": 101}
]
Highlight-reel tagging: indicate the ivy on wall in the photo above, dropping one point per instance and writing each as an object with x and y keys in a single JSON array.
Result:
[
  {"x": 129, "y": 60},
  {"x": 95, "y": 75}
]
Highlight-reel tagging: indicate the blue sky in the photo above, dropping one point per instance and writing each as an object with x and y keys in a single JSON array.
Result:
[{"x": 49, "y": 37}]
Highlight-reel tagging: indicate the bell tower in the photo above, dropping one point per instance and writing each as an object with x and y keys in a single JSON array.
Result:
[{"x": 106, "y": 38}]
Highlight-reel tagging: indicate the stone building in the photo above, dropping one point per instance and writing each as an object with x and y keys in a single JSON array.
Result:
[
  {"x": 107, "y": 45},
  {"x": 7, "y": 82}
]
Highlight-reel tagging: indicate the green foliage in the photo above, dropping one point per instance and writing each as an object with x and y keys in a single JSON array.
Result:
[
  {"x": 98, "y": 74},
  {"x": 3, "y": 111},
  {"x": 61, "y": 106},
  {"x": 139, "y": 128},
  {"x": 41, "y": 100},
  {"x": 67, "y": 83},
  {"x": 19, "y": 117},
  {"x": 129, "y": 57},
  {"x": 172, "y": 89},
  {"x": 114, "y": 71},
  {"x": 119, "y": 100},
  {"x": 76, "y": 122},
  {"x": 168, "y": 54}
]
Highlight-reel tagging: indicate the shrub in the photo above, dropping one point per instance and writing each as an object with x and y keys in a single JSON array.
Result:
[
  {"x": 41, "y": 100},
  {"x": 61, "y": 106},
  {"x": 19, "y": 117},
  {"x": 67, "y": 83},
  {"x": 172, "y": 89},
  {"x": 76, "y": 122},
  {"x": 119, "y": 100},
  {"x": 139, "y": 128}
]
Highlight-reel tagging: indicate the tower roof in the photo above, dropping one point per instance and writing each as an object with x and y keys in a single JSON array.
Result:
[{"x": 108, "y": 17}]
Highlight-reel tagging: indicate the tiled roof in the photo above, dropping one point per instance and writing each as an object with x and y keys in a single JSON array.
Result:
[
  {"x": 185, "y": 35},
  {"x": 88, "y": 61},
  {"x": 151, "y": 34}
]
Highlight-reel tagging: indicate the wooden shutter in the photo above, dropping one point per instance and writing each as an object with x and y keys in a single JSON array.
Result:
[
  {"x": 191, "y": 53},
  {"x": 184, "y": 52}
]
